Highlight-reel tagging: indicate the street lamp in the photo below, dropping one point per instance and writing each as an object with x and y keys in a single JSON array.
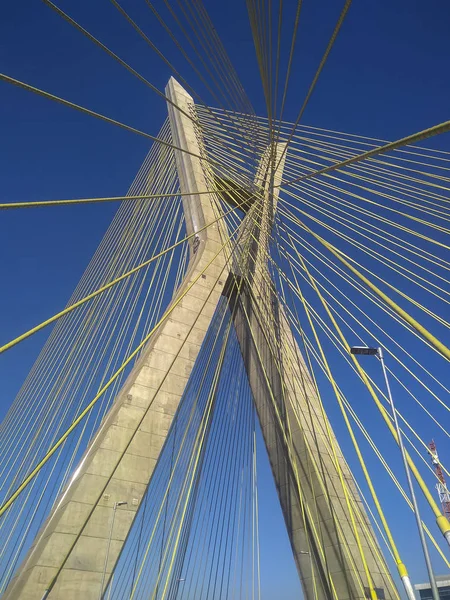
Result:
[
  {"x": 378, "y": 352},
  {"x": 116, "y": 505}
]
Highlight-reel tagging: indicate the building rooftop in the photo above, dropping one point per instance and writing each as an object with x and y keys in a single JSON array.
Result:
[{"x": 441, "y": 581}]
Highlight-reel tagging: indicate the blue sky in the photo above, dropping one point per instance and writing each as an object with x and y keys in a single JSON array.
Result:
[{"x": 386, "y": 78}]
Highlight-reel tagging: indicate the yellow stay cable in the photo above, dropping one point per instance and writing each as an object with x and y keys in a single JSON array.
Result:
[
  {"x": 52, "y": 355},
  {"x": 403, "y": 313},
  {"x": 333, "y": 338},
  {"x": 422, "y": 307},
  {"x": 374, "y": 216},
  {"x": 302, "y": 501},
  {"x": 334, "y": 148},
  {"x": 378, "y": 454},
  {"x": 288, "y": 256},
  {"x": 190, "y": 472},
  {"x": 113, "y": 378},
  {"x": 381, "y": 174},
  {"x": 289, "y": 65},
  {"x": 160, "y": 385},
  {"x": 361, "y": 289},
  {"x": 330, "y": 437},
  {"x": 366, "y": 174},
  {"x": 342, "y": 152},
  {"x": 161, "y": 286},
  {"x": 92, "y": 113},
  {"x": 256, "y": 511},
  {"x": 337, "y": 523},
  {"x": 291, "y": 164},
  {"x": 117, "y": 226},
  {"x": 407, "y": 189},
  {"x": 177, "y": 459},
  {"x": 322, "y": 324},
  {"x": 286, "y": 438},
  {"x": 295, "y": 324},
  {"x": 385, "y": 207},
  {"x": 63, "y": 400},
  {"x": 107, "y": 286},
  {"x": 397, "y": 309},
  {"x": 362, "y": 523},
  {"x": 367, "y": 234},
  {"x": 411, "y": 139},
  {"x": 317, "y": 75},
  {"x": 183, "y": 52},
  {"x": 39, "y": 203},
  {"x": 205, "y": 268},
  {"x": 104, "y": 388},
  {"x": 122, "y": 256},
  {"x": 226, "y": 87},
  {"x": 384, "y": 182},
  {"x": 441, "y": 520},
  {"x": 288, "y": 125},
  {"x": 277, "y": 62},
  {"x": 403, "y": 573},
  {"x": 117, "y": 58},
  {"x": 210, "y": 397},
  {"x": 367, "y": 227}
]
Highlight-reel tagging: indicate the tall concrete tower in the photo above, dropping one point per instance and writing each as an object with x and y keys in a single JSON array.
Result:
[{"x": 67, "y": 559}]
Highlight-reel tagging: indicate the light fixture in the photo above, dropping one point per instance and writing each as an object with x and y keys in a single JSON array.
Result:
[{"x": 364, "y": 350}]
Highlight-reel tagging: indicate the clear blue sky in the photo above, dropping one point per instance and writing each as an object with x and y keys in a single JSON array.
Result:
[{"x": 386, "y": 77}]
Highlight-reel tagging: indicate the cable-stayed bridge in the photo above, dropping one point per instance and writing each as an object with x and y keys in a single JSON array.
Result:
[{"x": 248, "y": 256}]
